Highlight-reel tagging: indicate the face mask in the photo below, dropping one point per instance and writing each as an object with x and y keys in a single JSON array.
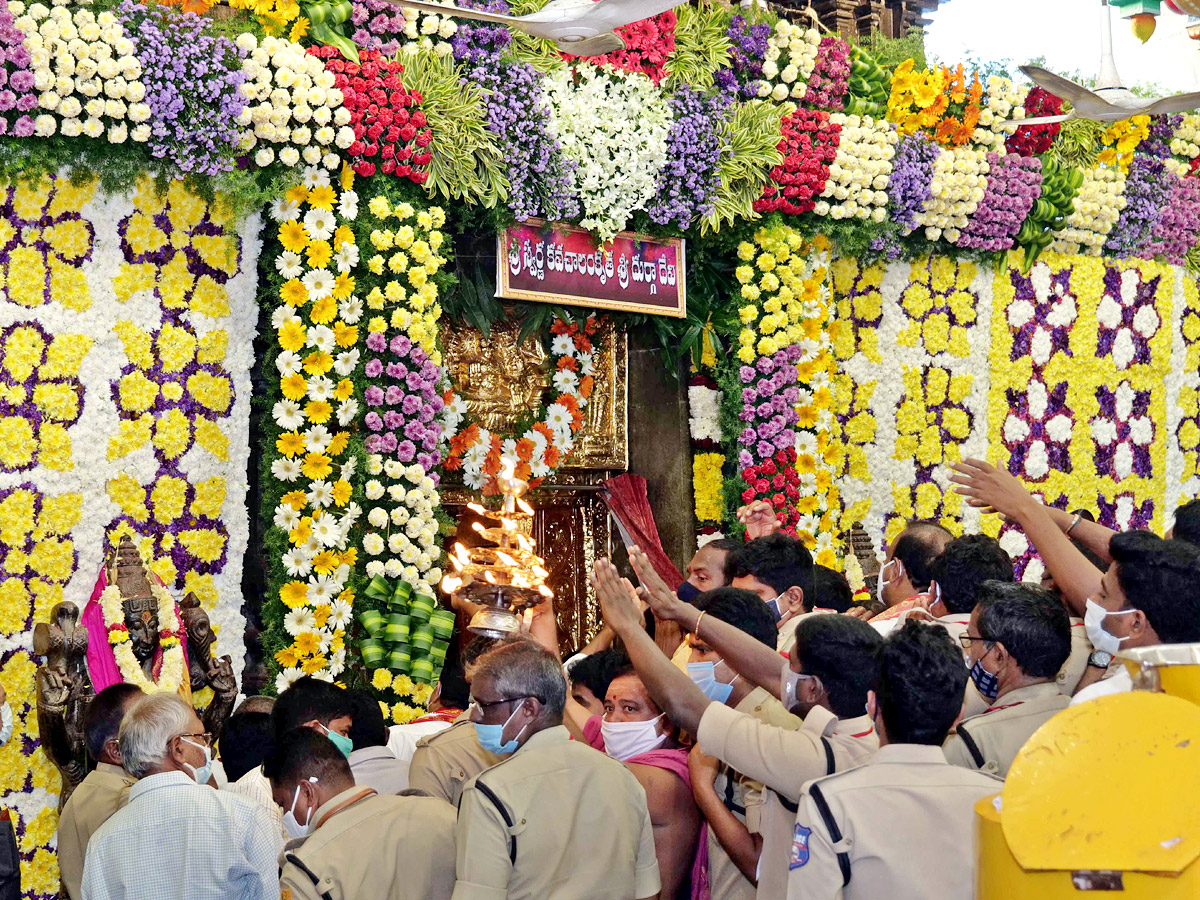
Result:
[
  {"x": 687, "y": 592},
  {"x": 491, "y": 737},
  {"x": 623, "y": 740},
  {"x": 987, "y": 683},
  {"x": 294, "y": 828},
  {"x": 773, "y": 606},
  {"x": 704, "y": 676},
  {"x": 343, "y": 743},
  {"x": 1093, "y": 624},
  {"x": 203, "y": 773},
  {"x": 789, "y": 686}
]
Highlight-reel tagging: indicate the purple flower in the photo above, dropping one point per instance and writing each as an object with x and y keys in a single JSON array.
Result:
[
  {"x": 376, "y": 342},
  {"x": 1013, "y": 185},
  {"x": 405, "y": 451},
  {"x": 373, "y": 396},
  {"x": 397, "y": 370},
  {"x": 393, "y": 419},
  {"x": 373, "y": 368},
  {"x": 1146, "y": 190},
  {"x": 410, "y": 404},
  {"x": 688, "y": 183},
  {"x": 373, "y": 421},
  {"x": 747, "y": 436},
  {"x": 912, "y": 179},
  {"x": 764, "y": 449},
  {"x": 394, "y": 395},
  {"x": 401, "y": 345},
  {"x": 746, "y": 374}
]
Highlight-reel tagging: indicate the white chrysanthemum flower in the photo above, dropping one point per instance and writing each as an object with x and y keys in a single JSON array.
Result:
[
  {"x": 297, "y": 563},
  {"x": 286, "y": 470},
  {"x": 286, "y": 517},
  {"x": 320, "y": 224},
  {"x": 373, "y": 544},
  {"x": 319, "y": 283},
  {"x": 299, "y": 621}
]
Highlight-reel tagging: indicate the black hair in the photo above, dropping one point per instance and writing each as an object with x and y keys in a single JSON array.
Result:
[
  {"x": 245, "y": 742},
  {"x": 367, "y": 728},
  {"x": 1162, "y": 579},
  {"x": 1030, "y": 622},
  {"x": 103, "y": 715},
  {"x": 308, "y": 699},
  {"x": 597, "y": 671},
  {"x": 301, "y": 754},
  {"x": 1187, "y": 523},
  {"x": 831, "y": 590},
  {"x": 456, "y": 689},
  {"x": 844, "y": 653},
  {"x": 777, "y": 560},
  {"x": 965, "y": 564},
  {"x": 921, "y": 684},
  {"x": 741, "y": 609},
  {"x": 917, "y": 546}
]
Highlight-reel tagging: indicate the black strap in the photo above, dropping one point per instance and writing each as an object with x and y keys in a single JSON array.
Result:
[
  {"x": 504, "y": 814},
  {"x": 835, "y": 833},
  {"x": 295, "y": 861},
  {"x": 731, "y": 803},
  {"x": 972, "y": 747},
  {"x": 830, "y": 768}
]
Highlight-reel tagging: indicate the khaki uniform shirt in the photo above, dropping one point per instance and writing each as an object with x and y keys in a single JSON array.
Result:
[
  {"x": 906, "y": 820},
  {"x": 446, "y": 761},
  {"x": 368, "y": 846},
  {"x": 1003, "y": 730},
  {"x": 743, "y": 796},
  {"x": 787, "y": 633},
  {"x": 579, "y": 820},
  {"x": 1076, "y": 664},
  {"x": 784, "y": 760},
  {"x": 99, "y": 795}
]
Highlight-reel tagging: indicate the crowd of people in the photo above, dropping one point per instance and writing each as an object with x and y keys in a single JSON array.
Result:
[{"x": 795, "y": 744}]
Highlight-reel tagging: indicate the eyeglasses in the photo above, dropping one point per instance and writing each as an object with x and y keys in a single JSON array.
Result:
[
  {"x": 205, "y": 737},
  {"x": 483, "y": 705},
  {"x": 965, "y": 640}
]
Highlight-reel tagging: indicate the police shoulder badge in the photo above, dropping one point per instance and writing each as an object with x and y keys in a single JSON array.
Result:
[{"x": 799, "y": 846}]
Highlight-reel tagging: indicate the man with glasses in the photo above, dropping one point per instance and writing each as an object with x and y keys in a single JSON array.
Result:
[
  {"x": 1017, "y": 639},
  {"x": 554, "y": 819},
  {"x": 178, "y": 839}
]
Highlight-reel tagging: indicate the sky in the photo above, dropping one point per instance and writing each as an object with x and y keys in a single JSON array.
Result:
[{"x": 1067, "y": 34}]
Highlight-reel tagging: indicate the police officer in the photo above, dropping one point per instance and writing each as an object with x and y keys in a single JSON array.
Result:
[
  {"x": 350, "y": 841},
  {"x": 898, "y": 826},
  {"x": 1018, "y": 638},
  {"x": 555, "y": 819},
  {"x": 833, "y": 664}
]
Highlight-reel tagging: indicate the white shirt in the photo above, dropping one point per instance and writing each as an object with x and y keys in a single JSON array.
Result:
[
  {"x": 178, "y": 840},
  {"x": 6, "y": 723},
  {"x": 402, "y": 739},
  {"x": 377, "y": 767},
  {"x": 256, "y": 787},
  {"x": 1118, "y": 683}
]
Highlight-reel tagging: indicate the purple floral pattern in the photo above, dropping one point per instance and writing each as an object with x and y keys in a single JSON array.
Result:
[
  {"x": 1037, "y": 431},
  {"x": 44, "y": 243},
  {"x": 911, "y": 185},
  {"x": 402, "y": 401},
  {"x": 40, "y": 397},
  {"x": 688, "y": 183},
  {"x": 1122, "y": 432},
  {"x": 1126, "y": 317},
  {"x": 17, "y": 95}
]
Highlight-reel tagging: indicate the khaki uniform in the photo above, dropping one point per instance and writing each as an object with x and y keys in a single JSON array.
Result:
[
  {"x": 1076, "y": 664},
  {"x": 374, "y": 847},
  {"x": 743, "y": 796},
  {"x": 905, "y": 821},
  {"x": 990, "y": 741},
  {"x": 557, "y": 820},
  {"x": 446, "y": 761},
  {"x": 99, "y": 795},
  {"x": 784, "y": 760},
  {"x": 787, "y": 634}
]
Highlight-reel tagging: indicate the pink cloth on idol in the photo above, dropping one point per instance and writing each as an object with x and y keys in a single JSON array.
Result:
[{"x": 102, "y": 663}]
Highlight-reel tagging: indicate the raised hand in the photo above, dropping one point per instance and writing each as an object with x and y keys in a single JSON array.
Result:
[
  {"x": 990, "y": 489},
  {"x": 618, "y": 600},
  {"x": 759, "y": 519},
  {"x": 663, "y": 601}
]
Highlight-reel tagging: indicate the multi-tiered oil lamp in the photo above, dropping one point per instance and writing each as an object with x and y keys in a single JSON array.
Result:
[{"x": 507, "y": 579}]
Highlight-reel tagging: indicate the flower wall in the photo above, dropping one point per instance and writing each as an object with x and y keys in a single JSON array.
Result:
[
  {"x": 1078, "y": 377},
  {"x": 126, "y": 326}
]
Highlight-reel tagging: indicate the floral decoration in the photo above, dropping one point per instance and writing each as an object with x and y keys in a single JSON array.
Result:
[{"x": 809, "y": 147}]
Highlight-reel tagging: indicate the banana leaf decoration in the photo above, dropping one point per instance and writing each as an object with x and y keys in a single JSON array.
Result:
[{"x": 328, "y": 20}]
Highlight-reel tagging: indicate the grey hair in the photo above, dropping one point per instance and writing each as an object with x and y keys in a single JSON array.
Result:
[
  {"x": 148, "y": 728},
  {"x": 526, "y": 669}
]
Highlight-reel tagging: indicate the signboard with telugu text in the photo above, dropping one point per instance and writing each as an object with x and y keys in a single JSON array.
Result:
[{"x": 555, "y": 263}]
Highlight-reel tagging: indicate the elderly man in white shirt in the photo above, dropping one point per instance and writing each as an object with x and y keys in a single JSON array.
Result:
[{"x": 220, "y": 846}]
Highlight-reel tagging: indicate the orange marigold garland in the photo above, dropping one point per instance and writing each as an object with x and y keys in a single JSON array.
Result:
[{"x": 544, "y": 445}]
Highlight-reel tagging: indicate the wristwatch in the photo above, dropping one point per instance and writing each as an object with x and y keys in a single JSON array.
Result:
[{"x": 1100, "y": 659}]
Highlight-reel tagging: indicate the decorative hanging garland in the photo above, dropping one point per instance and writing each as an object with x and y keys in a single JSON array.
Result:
[
  {"x": 545, "y": 445},
  {"x": 170, "y": 636}
]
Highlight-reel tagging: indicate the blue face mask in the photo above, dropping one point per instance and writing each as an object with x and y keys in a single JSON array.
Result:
[
  {"x": 704, "y": 676},
  {"x": 687, "y": 592},
  {"x": 343, "y": 743},
  {"x": 773, "y": 606},
  {"x": 491, "y": 737},
  {"x": 987, "y": 683}
]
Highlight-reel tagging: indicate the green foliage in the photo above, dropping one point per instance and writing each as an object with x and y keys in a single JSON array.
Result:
[
  {"x": 543, "y": 55},
  {"x": 701, "y": 45},
  {"x": 751, "y": 151},
  {"x": 468, "y": 163},
  {"x": 1078, "y": 144},
  {"x": 890, "y": 52}
]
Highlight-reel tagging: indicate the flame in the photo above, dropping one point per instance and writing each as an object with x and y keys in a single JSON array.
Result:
[
  {"x": 525, "y": 507},
  {"x": 451, "y": 583},
  {"x": 477, "y": 508},
  {"x": 508, "y": 467},
  {"x": 489, "y": 578},
  {"x": 477, "y": 526},
  {"x": 524, "y": 542},
  {"x": 539, "y": 572},
  {"x": 505, "y": 558},
  {"x": 545, "y": 591}
]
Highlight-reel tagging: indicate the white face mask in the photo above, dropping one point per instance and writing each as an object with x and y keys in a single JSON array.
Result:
[
  {"x": 293, "y": 826},
  {"x": 789, "y": 686},
  {"x": 1093, "y": 624},
  {"x": 623, "y": 740},
  {"x": 203, "y": 773}
]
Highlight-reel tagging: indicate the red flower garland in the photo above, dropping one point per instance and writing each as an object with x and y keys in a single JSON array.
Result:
[
  {"x": 775, "y": 480},
  {"x": 388, "y": 124},
  {"x": 1033, "y": 140},
  {"x": 648, "y": 43},
  {"x": 809, "y": 145}
]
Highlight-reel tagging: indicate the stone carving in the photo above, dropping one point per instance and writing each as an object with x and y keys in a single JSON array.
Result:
[
  {"x": 204, "y": 669},
  {"x": 63, "y": 690}
]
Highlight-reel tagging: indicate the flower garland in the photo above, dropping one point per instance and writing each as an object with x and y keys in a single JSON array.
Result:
[
  {"x": 545, "y": 445},
  {"x": 648, "y": 44},
  {"x": 614, "y": 128},
  {"x": 1034, "y": 140},
  {"x": 1003, "y": 102},
  {"x": 316, "y": 356},
  {"x": 170, "y": 635},
  {"x": 708, "y": 458},
  {"x": 937, "y": 102},
  {"x": 688, "y": 183},
  {"x": 1094, "y": 212},
  {"x": 959, "y": 184},
  {"x": 403, "y": 400},
  {"x": 19, "y": 95},
  {"x": 829, "y": 81}
]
